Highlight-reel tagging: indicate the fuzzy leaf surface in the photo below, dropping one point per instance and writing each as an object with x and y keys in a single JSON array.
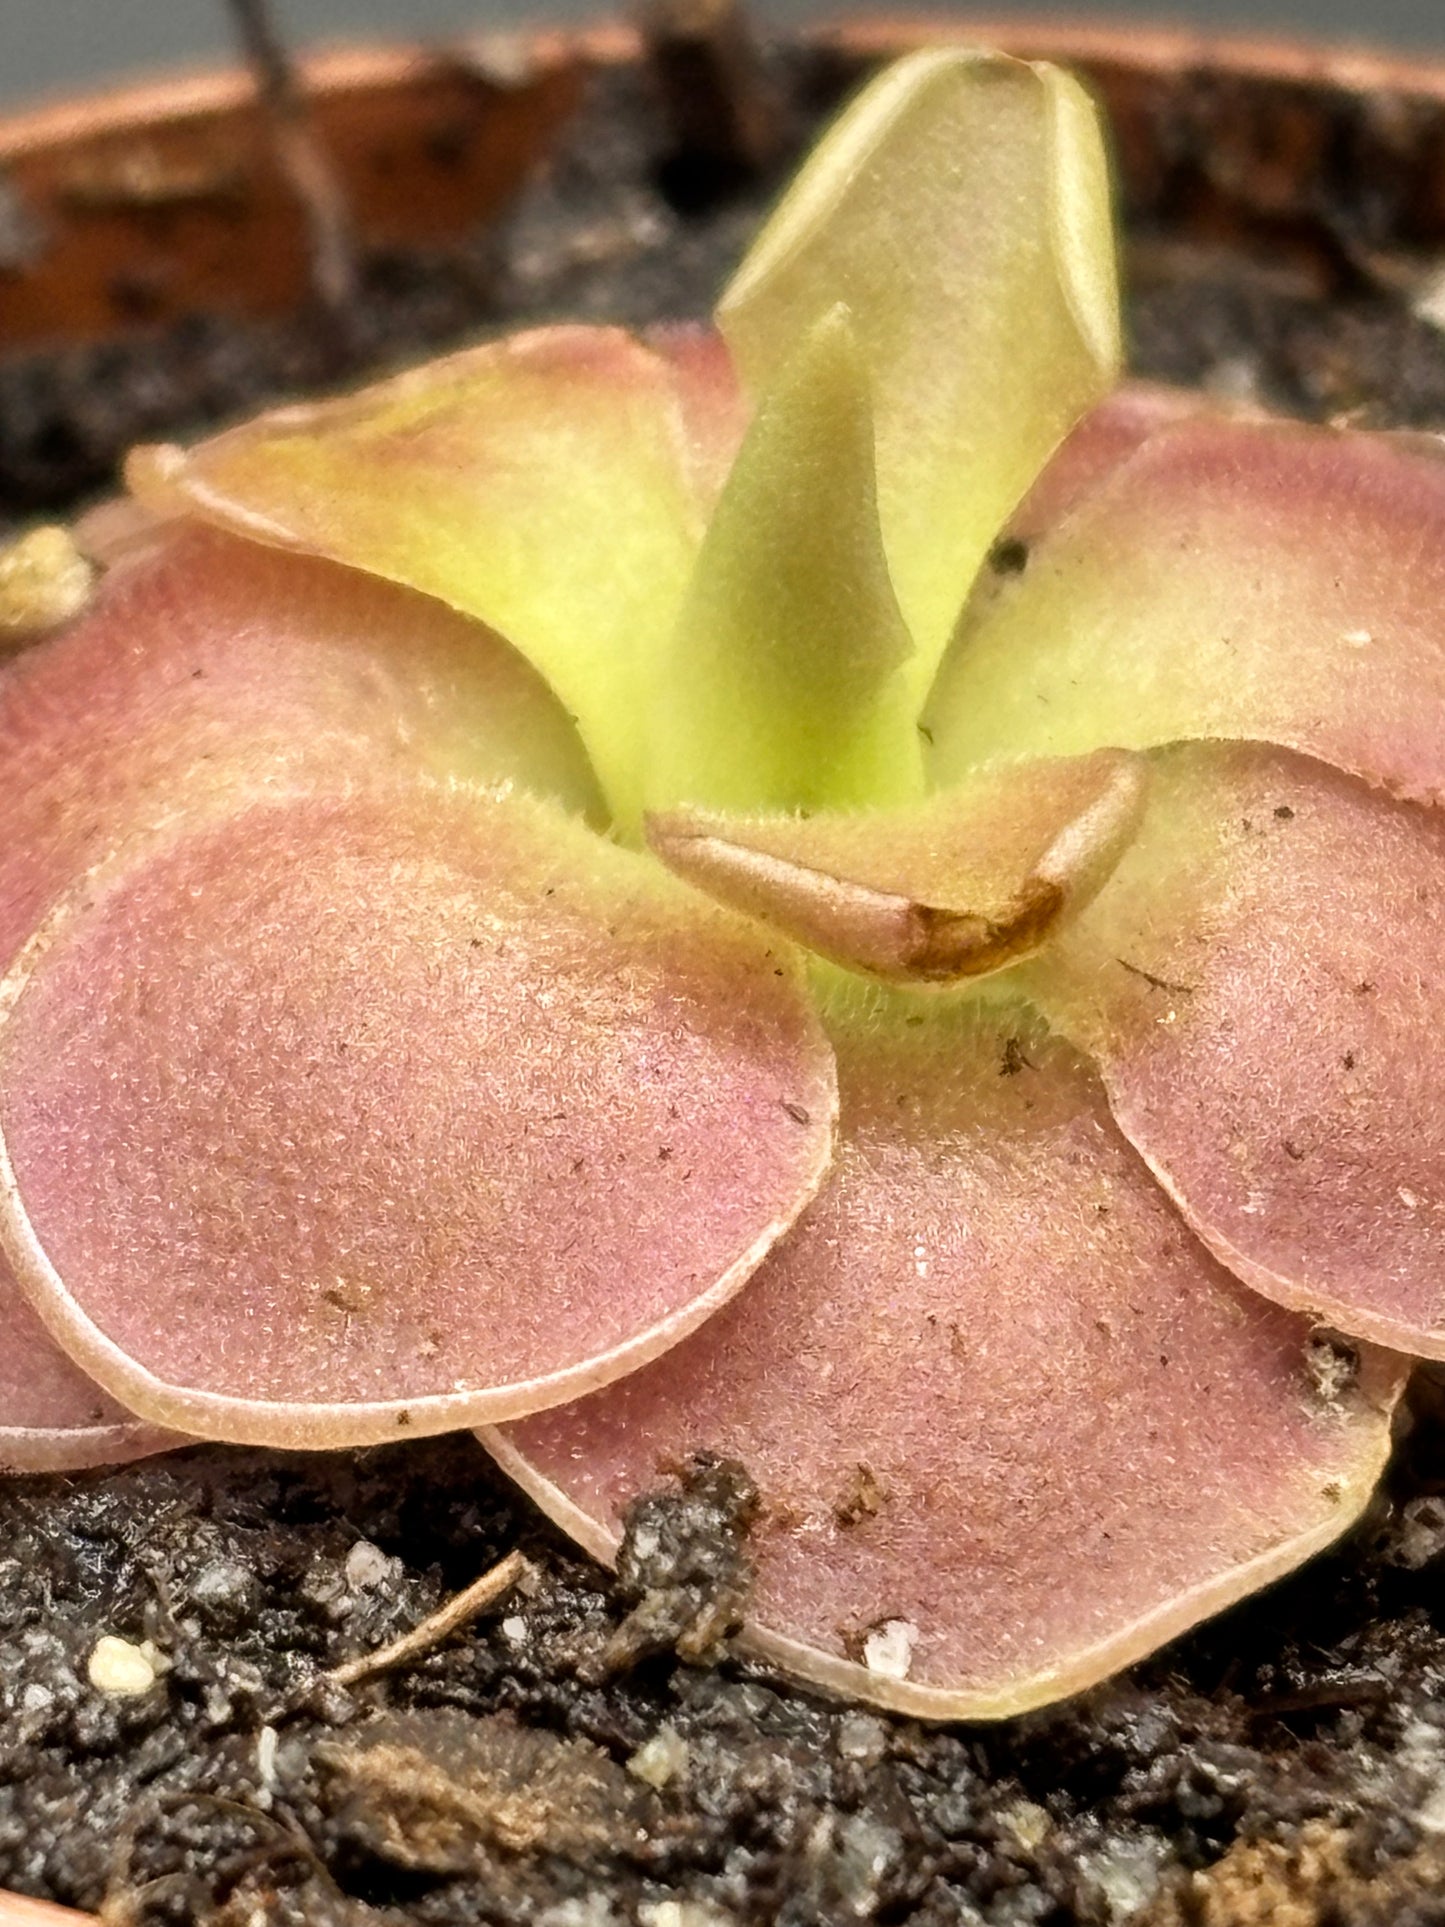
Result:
[
  {"x": 209, "y": 666},
  {"x": 344, "y": 1116},
  {"x": 1010, "y": 1422},
  {"x": 1259, "y": 982}
]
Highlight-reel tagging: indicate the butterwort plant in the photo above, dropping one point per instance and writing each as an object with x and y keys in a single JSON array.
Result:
[{"x": 841, "y": 891}]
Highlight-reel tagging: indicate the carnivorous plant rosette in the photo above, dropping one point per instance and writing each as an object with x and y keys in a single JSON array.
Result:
[{"x": 714, "y": 893}]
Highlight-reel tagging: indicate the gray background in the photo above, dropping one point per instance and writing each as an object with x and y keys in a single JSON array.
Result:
[{"x": 50, "y": 45}]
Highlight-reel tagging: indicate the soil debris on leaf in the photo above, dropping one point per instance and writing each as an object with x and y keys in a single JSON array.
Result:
[{"x": 683, "y": 1565}]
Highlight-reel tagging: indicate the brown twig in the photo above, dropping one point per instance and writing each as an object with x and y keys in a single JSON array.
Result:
[
  {"x": 721, "y": 103},
  {"x": 456, "y": 1613},
  {"x": 304, "y": 161}
]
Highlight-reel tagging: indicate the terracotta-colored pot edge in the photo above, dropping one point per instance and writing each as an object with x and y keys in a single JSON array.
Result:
[
  {"x": 192, "y": 94},
  {"x": 1164, "y": 50},
  {"x": 127, "y": 188},
  {"x": 1143, "y": 48}
]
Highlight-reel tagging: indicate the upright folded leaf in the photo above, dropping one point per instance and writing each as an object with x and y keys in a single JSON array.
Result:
[
  {"x": 960, "y": 209},
  {"x": 784, "y": 687}
]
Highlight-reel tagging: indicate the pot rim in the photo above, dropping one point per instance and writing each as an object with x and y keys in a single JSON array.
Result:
[
  {"x": 204, "y": 91},
  {"x": 201, "y": 92},
  {"x": 1145, "y": 47},
  {"x": 164, "y": 197}
]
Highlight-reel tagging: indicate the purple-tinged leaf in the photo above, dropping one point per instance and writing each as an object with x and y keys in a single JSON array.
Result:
[
  {"x": 1259, "y": 982},
  {"x": 1233, "y": 580},
  {"x": 208, "y": 663},
  {"x": 1102, "y": 441},
  {"x": 1012, "y": 1426},
  {"x": 334, "y": 1118},
  {"x": 52, "y": 1417},
  {"x": 204, "y": 665}
]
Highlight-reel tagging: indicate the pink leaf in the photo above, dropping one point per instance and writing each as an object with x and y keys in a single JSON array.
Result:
[
  {"x": 330, "y": 1117},
  {"x": 1232, "y": 579},
  {"x": 210, "y": 663},
  {"x": 1101, "y": 442},
  {"x": 1012, "y": 1425},
  {"x": 52, "y": 1417},
  {"x": 206, "y": 665},
  {"x": 1259, "y": 982}
]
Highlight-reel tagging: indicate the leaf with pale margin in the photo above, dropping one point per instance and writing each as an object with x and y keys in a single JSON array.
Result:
[
  {"x": 1259, "y": 983},
  {"x": 548, "y": 485},
  {"x": 332, "y": 1116},
  {"x": 960, "y": 209},
  {"x": 1229, "y": 579},
  {"x": 966, "y": 883},
  {"x": 1012, "y": 1426}
]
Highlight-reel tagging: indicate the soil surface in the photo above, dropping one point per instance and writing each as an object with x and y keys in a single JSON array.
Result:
[{"x": 556, "y": 1762}]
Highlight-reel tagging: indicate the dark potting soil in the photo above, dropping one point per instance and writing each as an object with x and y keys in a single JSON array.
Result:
[{"x": 556, "y": 1763}]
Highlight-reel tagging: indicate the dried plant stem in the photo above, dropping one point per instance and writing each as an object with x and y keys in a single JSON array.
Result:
[
  {"x": 303, "y": 158},
  {"x": 718, "y": 96},
  {"x": 457, "y": 1612}
]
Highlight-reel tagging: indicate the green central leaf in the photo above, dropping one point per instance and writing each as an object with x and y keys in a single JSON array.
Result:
[
  {"x": 785, "y": 687},
  {"x": 961, "y": 211}
]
